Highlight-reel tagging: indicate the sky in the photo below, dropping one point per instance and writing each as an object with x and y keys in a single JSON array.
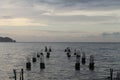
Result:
[{"x": 60, "y": 20}]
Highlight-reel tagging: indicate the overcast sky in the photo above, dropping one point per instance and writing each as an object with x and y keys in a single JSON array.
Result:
[{"x": 60, "y": 20}]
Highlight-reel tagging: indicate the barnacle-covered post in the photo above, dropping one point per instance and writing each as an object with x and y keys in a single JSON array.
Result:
[
  {"x": 91, "y": 64},
  {"x": 77, "y": 64},
  {"x": 42, "y": 63}
]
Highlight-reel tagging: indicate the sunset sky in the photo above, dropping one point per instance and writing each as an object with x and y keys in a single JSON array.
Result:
[{"x": 60, "y": 20}]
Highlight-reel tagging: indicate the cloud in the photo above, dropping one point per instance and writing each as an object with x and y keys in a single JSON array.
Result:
[
  {"x": 61, "y": 18},
  {"x": 6, "y": 21},
  {"x": 81, "y": 4},
  {"x": 54, "y": 11},
  {"x": 114, "y": 34}
]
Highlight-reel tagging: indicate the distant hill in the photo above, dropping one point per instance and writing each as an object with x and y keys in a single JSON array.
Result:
[{"x": 6, "y": 39}]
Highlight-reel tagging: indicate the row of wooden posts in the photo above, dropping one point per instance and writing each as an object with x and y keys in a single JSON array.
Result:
[
  {"x": 77, "y": 54},
  {"x": 111, "y": 75},
  {"x": 42, "y": 63},
  {"x": 22, "y": 74},
  {"x": 68, "y": 52},
  {"x": 15, "y": 71},
  {"x": 91, "y": 64},
  {"x": 34, "y": 60},
  {"x": 41, "y": 56}
]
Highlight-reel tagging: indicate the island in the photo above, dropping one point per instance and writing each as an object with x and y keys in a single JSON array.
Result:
[{"x": 6, "y": 39}]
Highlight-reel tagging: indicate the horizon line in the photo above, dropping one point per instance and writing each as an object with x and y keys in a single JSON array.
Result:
[{"x": 63, "y": 42}]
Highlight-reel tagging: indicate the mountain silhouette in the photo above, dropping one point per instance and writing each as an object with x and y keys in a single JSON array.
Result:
[{"x": 6, "y": 39}]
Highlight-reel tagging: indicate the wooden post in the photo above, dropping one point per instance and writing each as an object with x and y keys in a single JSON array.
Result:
[
  {"x": 15, "y": 75},
  {"x": 34, "y": 59},
  {"x": 68, "y": 52},
  {"x": 38, "y": 55},
  {"x": 77, "y": 64},
  {"x": 22, "y": 74},
  {"x": 75, "y": 52},
  {"x": 48, "y": 54},
  {"x": 91, "y": 64},
  {"x": 28, "y": 65},
  {"x": 118, "y": 75},
  {"x": 50, "y": 49},
  {"x": 46, "y": 49},
  {"x": 83, "y": 58},
  {"x": 65, "y": 50},
  {"x": 42, "y": 63},
  {"x": 111, "y": 74}
]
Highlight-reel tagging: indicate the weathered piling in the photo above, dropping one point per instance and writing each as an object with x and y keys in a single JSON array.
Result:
[
  {"x": 46, "y": 49},
  {"x": 83, "y": 58},
  {"x": 75, "y": 52},
  {"x": 42, "y": 63},
  {"x": 111, "y": 74},
  {"x": 34, "y": 58},
  {"x": 22, "y": 74},
  {"x": 118, "y": 75},
  {"x": 91, "y": 64},
  {"x": 28, "y": 64},
  {"x": 38, "y": 55},
  {"x": 77, "y": 64},
  {"x": 15, "y": 74},
  {"x": 68, "y": 52},
  {"x": 50, "y": 49},
  {"x": 48, "y": 54},
  {"x": 65, "y": 50}
]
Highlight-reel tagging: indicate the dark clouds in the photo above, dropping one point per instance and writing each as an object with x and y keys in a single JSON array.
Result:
[
  {"x": 69, "y": 4},
  {"x": 81, "y": 4},
  {"x": 114, "y": 34},
  {"x": 60, "y": 11}
]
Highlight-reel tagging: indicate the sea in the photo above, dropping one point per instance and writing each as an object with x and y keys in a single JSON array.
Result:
[{"x": 59, "y": 66}]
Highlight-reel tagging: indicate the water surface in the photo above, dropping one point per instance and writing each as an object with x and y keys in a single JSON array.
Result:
[{"x": 59, "y": 67}]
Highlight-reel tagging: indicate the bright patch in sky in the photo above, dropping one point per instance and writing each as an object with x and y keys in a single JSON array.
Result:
[{"x": 20, "y": 22}]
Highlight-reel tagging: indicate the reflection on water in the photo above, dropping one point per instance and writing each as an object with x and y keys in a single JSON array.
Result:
[{"x": 58, "y": 66}]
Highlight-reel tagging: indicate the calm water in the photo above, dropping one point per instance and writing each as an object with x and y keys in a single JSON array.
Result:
[{"x": 59, "y": 67}]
